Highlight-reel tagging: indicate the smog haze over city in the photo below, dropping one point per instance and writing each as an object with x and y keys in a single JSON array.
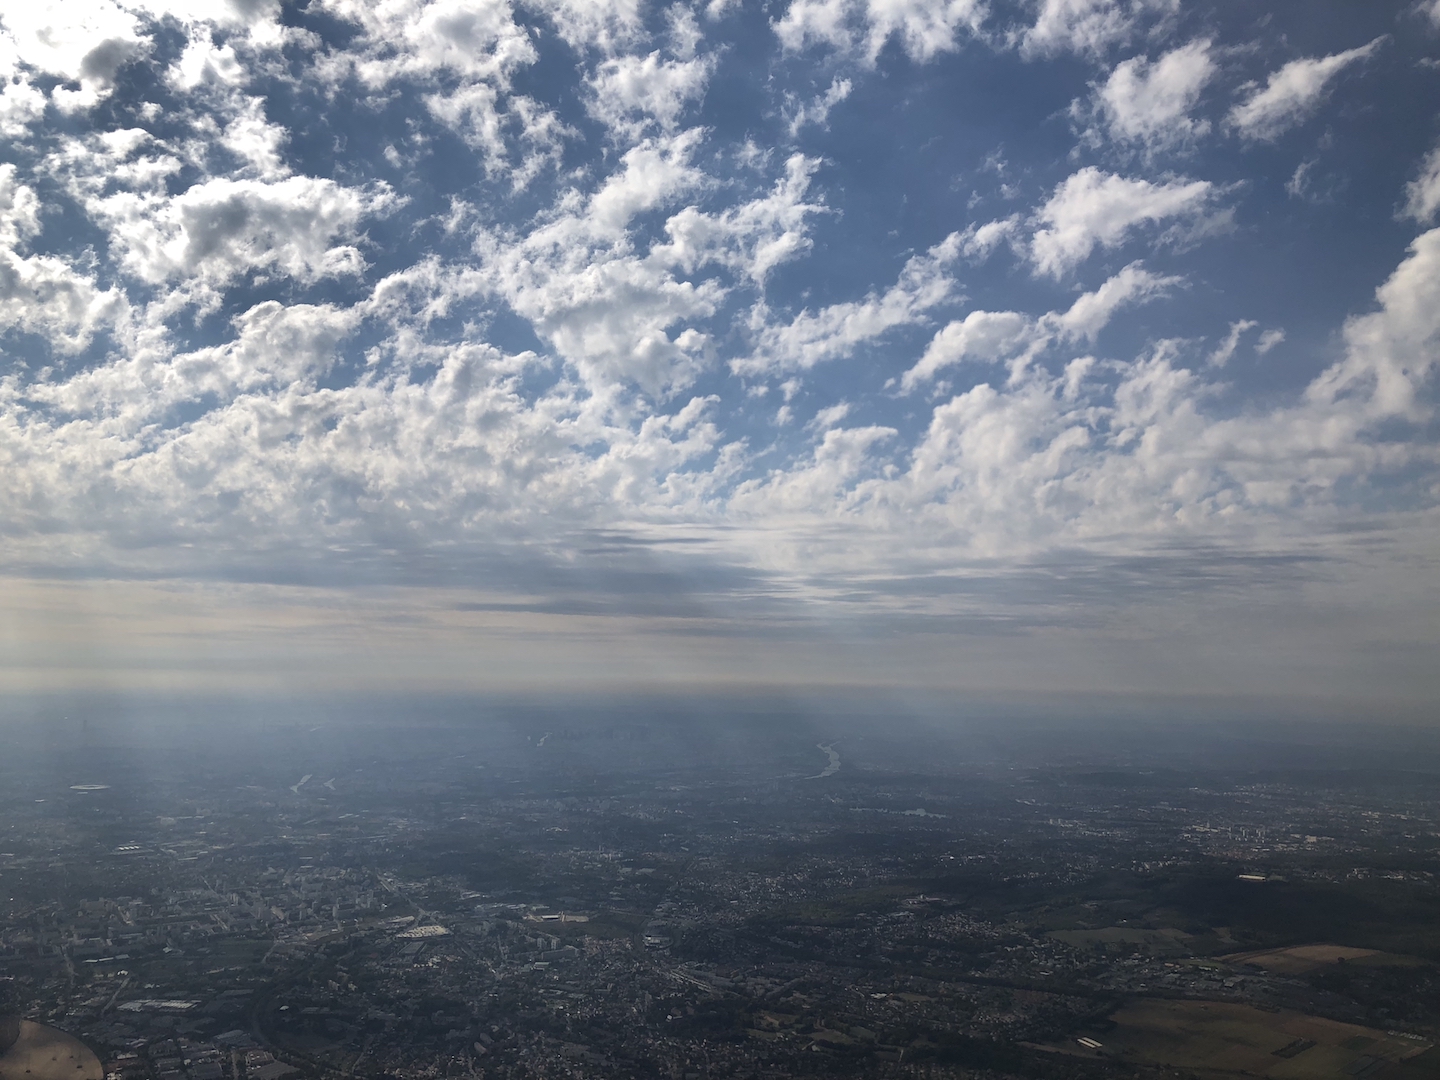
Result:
[{"x": 686, "y": 539}]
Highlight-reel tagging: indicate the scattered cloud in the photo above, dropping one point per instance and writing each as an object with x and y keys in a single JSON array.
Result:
[
  {"x": 817, "y": 110},
  {"x": 829, "y": 417},
  {"x": 216, "y": 231},
  {"x": 471, "y": 40},
  {"x": 19, "y": 208},
  {"x": 634, "y": 92},
  {"x": 84, "y": 44},
  {"x": 837, "y": 330},
  {"x": 1149, "y": 103},
  {"x": 1093, "y": 208},
  {"x": 987, "y": 336},
  {"x": 1222, "y": 355},
  {"x": 1086, "y": 27},
  {"x": 755, "y": 236},
  {"x": 600, "y": 26},
  {"x": 991, "y": 336},
  {"x": 1090, "y": 313},
  {"x": 922, "y": 28},
  {"x": 1069, "y": 458},
  {"x": 1292, "y": 94},
  {"x": 468, "y": 52},
  {"x": 1422, "y": 195},
  {"x": 1268, "y": 340},
  {"x": 480, "y": 289}
]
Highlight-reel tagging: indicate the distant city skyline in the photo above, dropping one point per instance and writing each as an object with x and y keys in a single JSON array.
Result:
[{"x": 1040, "y": 347}]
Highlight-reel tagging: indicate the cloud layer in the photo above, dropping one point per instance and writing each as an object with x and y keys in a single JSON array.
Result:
[{"x": 612, "y": 300}]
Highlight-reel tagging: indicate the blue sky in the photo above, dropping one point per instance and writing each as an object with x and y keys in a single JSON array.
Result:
[{"x": 1024, "y": 346}]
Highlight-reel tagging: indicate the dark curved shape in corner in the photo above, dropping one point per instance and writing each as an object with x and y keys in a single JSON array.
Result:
[{"x": 9, "y": 1030}]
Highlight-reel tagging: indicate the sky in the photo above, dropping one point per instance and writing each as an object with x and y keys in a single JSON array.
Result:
[{"x": 1052, "y": 347}]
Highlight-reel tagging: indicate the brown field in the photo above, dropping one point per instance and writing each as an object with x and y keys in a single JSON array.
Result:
[
  {"x": 1303, "y": 959},
  {"x": 42, "y": 1053},
  {"x": 1221, "y": 1038}
]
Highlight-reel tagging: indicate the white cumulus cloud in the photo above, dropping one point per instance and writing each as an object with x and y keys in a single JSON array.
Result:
[
  {"x": 302, "y": 226},
  {"x": 994, "y": 336},
  {"x": 1149, "y": 103},
  {"x": 634, "y": 91},
  {"x": 82, "y": 43},
  {"x": 837, "y": 330},
  {"x": 923, "y": 28},
  {"x": 44, "y": 294},
  {"x": 1422, "y": 195},
  {"x": 1087, "y": 27},
  {"x": 1293, "y": 93},
  {"x": 1093, "y": 208}
]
